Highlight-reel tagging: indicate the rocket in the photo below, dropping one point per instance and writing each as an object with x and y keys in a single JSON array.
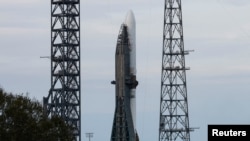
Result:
[{"x": 124, "y": 123}]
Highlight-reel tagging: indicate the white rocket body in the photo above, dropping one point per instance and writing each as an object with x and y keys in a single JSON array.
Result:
[{"x": 131, "y": 28}]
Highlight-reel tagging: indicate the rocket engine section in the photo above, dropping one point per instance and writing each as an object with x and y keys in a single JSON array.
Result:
[{"x": 124, "y": 124}]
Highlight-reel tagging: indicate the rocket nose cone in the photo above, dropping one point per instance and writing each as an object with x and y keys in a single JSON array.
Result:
[{"x": 130, "y": 18}]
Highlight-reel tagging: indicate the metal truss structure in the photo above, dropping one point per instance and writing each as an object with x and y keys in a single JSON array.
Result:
[
  {"x": 64, "y": 98},
  {"x": 174, "y": 120}
]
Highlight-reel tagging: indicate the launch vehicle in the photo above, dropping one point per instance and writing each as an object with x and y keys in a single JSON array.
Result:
[{"x": 124, "y": 124}]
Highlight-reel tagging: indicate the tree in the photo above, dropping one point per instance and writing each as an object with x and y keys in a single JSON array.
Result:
[{"x": 22, "y": 119}]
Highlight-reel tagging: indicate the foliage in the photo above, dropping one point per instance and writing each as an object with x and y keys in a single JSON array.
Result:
[{"x": 22, "y": 119}]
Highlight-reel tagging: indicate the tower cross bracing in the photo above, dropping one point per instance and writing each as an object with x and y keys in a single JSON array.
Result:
[
  {"x": 64, "y": 98},
  {"x": 174, "y": 118}
]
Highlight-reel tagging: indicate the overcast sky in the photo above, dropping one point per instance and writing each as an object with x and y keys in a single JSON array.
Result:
[{"x": 218, "y": 82}]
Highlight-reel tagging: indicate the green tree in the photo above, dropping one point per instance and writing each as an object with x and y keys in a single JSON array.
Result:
[{"x": 22, "y": 119}]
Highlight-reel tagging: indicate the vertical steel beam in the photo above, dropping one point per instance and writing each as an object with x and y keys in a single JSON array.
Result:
[
  {"x": 174, "y": 120},
  {"x": 64, "y": 98}
]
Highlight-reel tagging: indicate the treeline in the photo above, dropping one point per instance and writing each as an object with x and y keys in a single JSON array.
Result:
[{"x": 22, "y": 119}]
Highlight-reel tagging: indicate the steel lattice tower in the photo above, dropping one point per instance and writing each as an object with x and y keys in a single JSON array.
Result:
[
  {"x": 174, "y": 120},
  {"x": 65, "y": 94}
]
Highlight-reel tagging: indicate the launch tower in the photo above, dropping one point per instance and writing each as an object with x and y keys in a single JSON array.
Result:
[
  {"x": 174, "y": 120},
  {"x": 65, "y": 94}
]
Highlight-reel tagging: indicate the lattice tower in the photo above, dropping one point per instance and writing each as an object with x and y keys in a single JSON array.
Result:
[
  {"x": 64, "y": 98},
  {"x": 174, "y": 118}
]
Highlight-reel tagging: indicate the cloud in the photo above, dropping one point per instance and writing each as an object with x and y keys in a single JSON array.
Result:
[
  {"x": 18, "y": 2},
  {"x": 235, "y": 2}
]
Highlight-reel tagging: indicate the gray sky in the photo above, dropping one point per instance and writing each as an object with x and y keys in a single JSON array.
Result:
[{"x": 218, "y": 82}]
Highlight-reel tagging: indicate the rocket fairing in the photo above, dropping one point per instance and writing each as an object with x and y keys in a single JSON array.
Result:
[{"x": 124, "y": 124}]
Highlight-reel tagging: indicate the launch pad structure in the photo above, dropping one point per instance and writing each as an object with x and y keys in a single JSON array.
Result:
[
  {"x": 64, "y": 98},
  {"x": 64, "y": 95},
  {"x": 174, "y": 117}
]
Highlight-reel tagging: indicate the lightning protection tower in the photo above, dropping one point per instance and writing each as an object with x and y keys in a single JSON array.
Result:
[
  {"x": 174, "y": 120},
  {"x": 65, "y": 94}
]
